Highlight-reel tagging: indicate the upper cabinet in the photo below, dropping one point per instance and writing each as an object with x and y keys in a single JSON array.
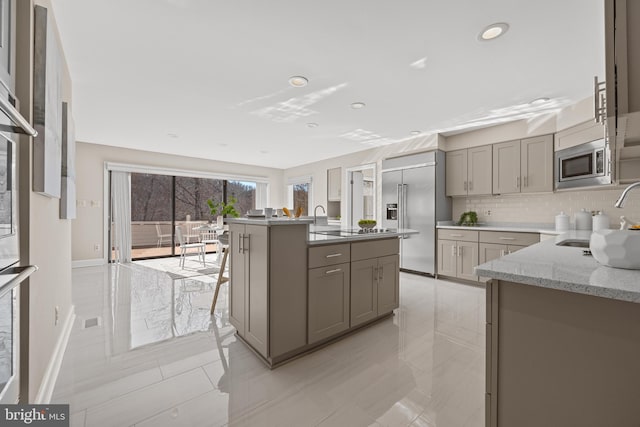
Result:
[
  {"x": 579, "y": 134},
  {"x": 622, "y": 50},
  {"x": 468, "y": 171},
  {"x": 334, "y": 184},
  {"x": 523, "y": 166}
]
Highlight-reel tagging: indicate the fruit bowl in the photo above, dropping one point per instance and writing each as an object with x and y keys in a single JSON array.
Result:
[{"x": 367, "y": 223}]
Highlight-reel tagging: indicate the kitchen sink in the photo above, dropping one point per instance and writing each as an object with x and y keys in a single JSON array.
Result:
[{"x": 574, "y": 243}]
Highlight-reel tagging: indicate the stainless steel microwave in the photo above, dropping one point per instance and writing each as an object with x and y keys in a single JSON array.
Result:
[{"x": 584, "y": 165}]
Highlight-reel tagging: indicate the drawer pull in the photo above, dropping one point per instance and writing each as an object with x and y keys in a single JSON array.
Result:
[
  {"x": 457, "y": 235},
  {"x": 507, "y": 238},
  {"x": 333, "y": 271},
  {"x": 333, "y": 255}
]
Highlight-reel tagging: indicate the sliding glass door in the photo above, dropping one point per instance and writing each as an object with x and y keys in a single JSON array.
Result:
[{"x": 159, "y": 203}]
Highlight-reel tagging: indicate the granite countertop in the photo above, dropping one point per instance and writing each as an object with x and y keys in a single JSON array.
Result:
[
  {"x": 564, "y": 268},
  {"x": 520, "y": 227},
  {"x": 317, "y": 238},
  {"x": 261, "y": 220}
]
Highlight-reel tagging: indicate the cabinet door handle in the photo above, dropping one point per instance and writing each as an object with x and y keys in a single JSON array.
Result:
[
  {"x": 375, "y": 273},
  {"x": 240, "y": 242},
  {"x": 465, "y": 186},
  {"x": 333, "y": 271},
  {"x": 380, "y": 272},
  {"x": 456, "y": 235},
  {"x": 507, "y": 238},
  {"x": 453, "y": 251},
  {"x": 470, "y": 185},
  {"x": 518, "y": 181},
  {"x": 332, "y": 255},
  {"x": 248, "y": 245},
  {"x": 459, "y": 250}
]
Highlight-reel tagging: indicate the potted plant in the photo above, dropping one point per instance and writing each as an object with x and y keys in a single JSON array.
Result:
[{"x": 221, "y": 209}]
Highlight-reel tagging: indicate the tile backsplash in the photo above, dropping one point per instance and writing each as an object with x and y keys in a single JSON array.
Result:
[{"x": 542, "y": 208}]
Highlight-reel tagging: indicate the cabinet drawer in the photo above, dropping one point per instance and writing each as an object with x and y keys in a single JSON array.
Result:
[
  {"x": 461, "y": 235},
  {"x": 509, "y": 238},
  {"x": 320, "y": 256},
  {"x": 374, "y": 249}
]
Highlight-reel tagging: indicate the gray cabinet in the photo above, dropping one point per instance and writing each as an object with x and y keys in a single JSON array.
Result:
[
  {"x": 457, "y": 253},
  {"x": 249, "y": 291},
  {"x": 268, "y": 296},
  {"x": 334, "y": 184},
  {"x": 469, "y": 171},
  {"x": 496, "y": 244},
  {"x": 523, "y": 166},
  {"x": 328, "y": 301},
  {"x": 375, "y": 280}
]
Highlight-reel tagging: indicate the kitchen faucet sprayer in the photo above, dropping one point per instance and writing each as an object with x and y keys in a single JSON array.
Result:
[{"x": 620, "y": 202}]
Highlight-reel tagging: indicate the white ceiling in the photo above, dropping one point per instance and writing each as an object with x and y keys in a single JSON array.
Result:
[{"x": 209, "y": 78}]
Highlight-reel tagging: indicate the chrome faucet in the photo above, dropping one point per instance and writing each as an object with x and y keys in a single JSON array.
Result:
[
  {"x": 623, "y": 196},
  {"x": 315, "y": 218}
]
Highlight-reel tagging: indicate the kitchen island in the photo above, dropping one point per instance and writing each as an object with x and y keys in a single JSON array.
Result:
[
  {"x": 292, "y": 290},
  {"x": 563, "y": 339}
]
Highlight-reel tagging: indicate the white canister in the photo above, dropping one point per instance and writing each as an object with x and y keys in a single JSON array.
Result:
[
  {"x": 562, "y": 222},
  {"x": 601, "y": 221},
  {"x": 583, "y": 220}
]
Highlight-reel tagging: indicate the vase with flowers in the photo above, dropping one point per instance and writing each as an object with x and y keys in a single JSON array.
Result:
[{"x": 221, "y": 209}]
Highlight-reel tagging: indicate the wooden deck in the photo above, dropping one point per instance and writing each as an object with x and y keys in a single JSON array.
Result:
[{"x": 137, "y": 253}]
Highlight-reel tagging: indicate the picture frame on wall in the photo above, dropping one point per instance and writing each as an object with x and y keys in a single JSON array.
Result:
[
  {"x": 47, "y": 105},
  {"x": 68, "y": 189}
]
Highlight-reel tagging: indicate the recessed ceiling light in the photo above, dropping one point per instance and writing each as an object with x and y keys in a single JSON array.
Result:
[
  {"x": 419, "y": 64},
  {"x": 172, "y": 135},
  {"x": 312, "y": 125},
  {"x": 493, "y": 31},
  {"x": 264, "y": 152},
  {"x": 415, "y": 132},
  {"x": 357, "y": 105},
  {"x": 539, "y": 101},
  {"x": 298, "y": 81}
]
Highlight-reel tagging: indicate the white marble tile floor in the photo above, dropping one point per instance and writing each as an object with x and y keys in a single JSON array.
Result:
[{"x": 157, "y": 358}]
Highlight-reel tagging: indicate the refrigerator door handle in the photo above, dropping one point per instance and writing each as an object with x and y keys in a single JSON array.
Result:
[
  {"x": 404, "y": 209},
  {"x": 400, "y": 207}
]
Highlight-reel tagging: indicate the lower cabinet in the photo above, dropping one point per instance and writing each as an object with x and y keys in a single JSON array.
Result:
[
  {"x": 374, "y": 288},
  {"x": 457, "y": 259},
  {"x": 328, "y": 301}
]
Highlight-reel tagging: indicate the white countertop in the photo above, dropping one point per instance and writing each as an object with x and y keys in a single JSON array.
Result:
[
  {"x": 503, "y": 226},
  {"x": 564, "y": 268}
]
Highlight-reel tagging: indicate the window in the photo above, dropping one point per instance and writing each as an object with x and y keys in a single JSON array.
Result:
[
  {"x": 160, "y": 202},
  {"x": 299, "y": 194}
]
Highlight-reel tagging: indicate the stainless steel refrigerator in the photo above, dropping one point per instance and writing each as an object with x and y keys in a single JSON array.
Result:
[{"x": 413, "y": 197}]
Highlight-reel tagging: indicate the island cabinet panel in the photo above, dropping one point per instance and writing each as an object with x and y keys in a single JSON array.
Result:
[
  {"x": 328, "y": 301},
  {"x": 256, "y": 318},
  {"x": 561, "y": 358},
  {"x": 287, "y": 289},
  {"x": 237, "y": 281},
  {"x": 268, "y": 286},
  {"x": 364, "y": 295},
  {"x": 388, "y": 284}
]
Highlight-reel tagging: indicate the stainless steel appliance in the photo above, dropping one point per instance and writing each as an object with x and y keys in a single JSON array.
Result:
[
  {"x": 413, "y": 197},
  {"x": 583, "y": 165}
]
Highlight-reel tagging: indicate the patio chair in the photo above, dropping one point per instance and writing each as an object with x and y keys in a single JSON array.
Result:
[
  {"x": 161, "y": 236},
  {"x": 200, "y": 247}
]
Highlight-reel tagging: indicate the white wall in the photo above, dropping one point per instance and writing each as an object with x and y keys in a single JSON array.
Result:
[
  {"x": 88, "y": 227},
  {"x": 45, "y": 239}
]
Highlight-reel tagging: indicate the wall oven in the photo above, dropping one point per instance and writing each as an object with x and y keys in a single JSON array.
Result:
[{"x": 584, "y": 165}]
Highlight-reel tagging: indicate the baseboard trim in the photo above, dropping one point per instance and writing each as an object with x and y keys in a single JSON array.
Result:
[
  {"x": 88, "y": 263},
  {"x": 48, "y": 383}
]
